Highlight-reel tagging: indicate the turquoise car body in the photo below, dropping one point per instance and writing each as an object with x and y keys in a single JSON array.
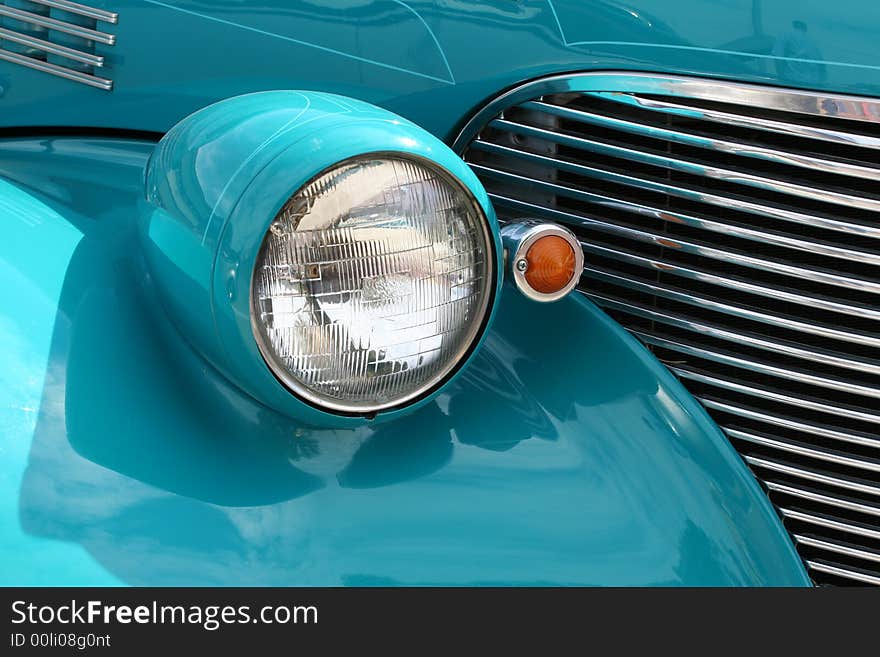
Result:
[{"x": 564, "y": 453}]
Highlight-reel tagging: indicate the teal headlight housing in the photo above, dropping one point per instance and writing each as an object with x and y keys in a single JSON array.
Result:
[{"x": 215, "y": 184}]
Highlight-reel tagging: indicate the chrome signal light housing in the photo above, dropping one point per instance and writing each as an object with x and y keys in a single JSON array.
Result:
[{"x": 544, "y": 260}]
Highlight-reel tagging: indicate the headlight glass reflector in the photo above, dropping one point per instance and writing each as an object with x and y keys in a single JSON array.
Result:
[{"x": 372, "y": 283}]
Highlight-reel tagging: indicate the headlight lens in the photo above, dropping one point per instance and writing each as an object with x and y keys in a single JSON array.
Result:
[{"x": 372, "y": 283}]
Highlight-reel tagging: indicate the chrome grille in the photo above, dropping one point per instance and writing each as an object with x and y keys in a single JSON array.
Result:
[
  {"x": 57, "y": 37},
  {"x": 736, "y": 230}
]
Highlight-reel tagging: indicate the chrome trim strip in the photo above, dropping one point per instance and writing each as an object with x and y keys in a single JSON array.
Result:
[
  {"x": 681, "y": 108},
  {"x": 811, "y": 475},
  {"x": 60, "y": 71},
  {"x": 764, "y": 393},
  {"x": 694, "y": 299},
  {"x": 81, "y": 10},
  {"x": 693, "y": 221},
  {"x": 729, "y": 202},
  {"x": 776, "y": 421},
  {"x": 836, "y": 106},
  {"x": 690, "y": 167},
  {"x": 60, "y": 26},
  {"x": 694, "y": 248},
  {"x": 710, "y": 143},
  {"x": 843, "y": 572},
  {"x": 758, "y": 366},
  {"x": 830, "y": 524},
  {"x": 756, "y": 342},
  {"x": 51, "y": 48},
  {"x": 803, "y": 450},
  {"x": 824, "y": 499},
  {"x": 781, "y": 294},
  {"x": 858, "y": 553}
]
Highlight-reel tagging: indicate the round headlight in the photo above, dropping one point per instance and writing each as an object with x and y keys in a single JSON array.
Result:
[{"x": 372, "y": 283}]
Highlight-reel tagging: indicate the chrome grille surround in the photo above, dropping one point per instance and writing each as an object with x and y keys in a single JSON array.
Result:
[
  {"x": 735, "y": 229},
  {"x": 57, "y": 37}
]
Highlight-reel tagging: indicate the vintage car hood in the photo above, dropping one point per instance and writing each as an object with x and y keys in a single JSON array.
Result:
[{"x": 435, "y": 61}]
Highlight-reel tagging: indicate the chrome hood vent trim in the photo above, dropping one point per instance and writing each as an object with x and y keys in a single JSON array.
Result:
[
  {"x": 57, "y": 37},
  {"x": 735, "y": 229}
]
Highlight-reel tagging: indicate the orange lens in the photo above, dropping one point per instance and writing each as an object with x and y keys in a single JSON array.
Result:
[{"x": 551, "y": 264}]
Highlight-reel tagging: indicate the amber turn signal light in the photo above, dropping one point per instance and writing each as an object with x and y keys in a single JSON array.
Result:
[
  {"x": 545, "y": 260},
  {"x": 550, "y": 264}
]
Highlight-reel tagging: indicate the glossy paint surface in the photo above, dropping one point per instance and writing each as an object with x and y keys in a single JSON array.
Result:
[
  {"x": 566, "y": 454},
  {"x": 436, "y": 62},
  {"x": 214, "y": 184}
]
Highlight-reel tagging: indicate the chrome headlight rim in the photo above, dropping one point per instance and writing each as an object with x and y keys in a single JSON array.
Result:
[{"x": 476, "y": 329}]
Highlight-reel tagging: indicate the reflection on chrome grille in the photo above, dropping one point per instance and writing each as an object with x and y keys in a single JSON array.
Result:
[
  {"x": 736, "y": 230},
  {"x": 58, "y": 37}
]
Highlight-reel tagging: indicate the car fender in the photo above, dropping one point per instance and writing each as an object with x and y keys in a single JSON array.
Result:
[{"x": 565, "y": 454}]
